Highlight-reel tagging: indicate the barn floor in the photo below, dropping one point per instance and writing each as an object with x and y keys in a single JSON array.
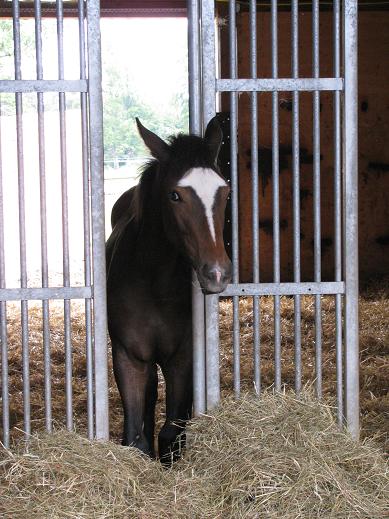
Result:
[{"x": 374, "y": 350}]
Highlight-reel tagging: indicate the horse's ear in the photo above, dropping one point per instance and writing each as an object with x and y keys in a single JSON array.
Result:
[
  {"x": 159, "y": 149},
  {"x": 214, "y": 137}
]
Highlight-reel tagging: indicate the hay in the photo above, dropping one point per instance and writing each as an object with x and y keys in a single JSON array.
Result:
[
  {"x": 277, "y": 457},
  {"x": 283, "y": 457},
  {"x": 374, "y": 366},
  {"x": 65, "y": 475}
]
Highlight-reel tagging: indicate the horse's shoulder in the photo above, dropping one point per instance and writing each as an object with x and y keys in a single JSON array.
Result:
[
  {"x": 122, "y": 207},
  {"x": 123, "y": 225}
]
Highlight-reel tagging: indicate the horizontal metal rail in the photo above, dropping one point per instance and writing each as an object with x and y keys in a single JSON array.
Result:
[
  {"x": 25, "y": 294},
  {"x": 283, "y": 289},
  {"x": 43, "y": 85},
  {"x": 279, "y": 84}
]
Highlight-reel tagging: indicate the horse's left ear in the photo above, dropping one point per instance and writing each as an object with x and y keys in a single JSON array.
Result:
[
  {"x": 159, "y": 149},
  {"x": 214, "y": 137}
]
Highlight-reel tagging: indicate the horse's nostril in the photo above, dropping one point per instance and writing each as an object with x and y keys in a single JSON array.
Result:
[{"x": 214, "y": 274}]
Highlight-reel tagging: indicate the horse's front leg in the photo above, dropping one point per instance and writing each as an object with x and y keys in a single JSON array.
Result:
[
  {"x": 134, "y": 380},
  {"x": 179, "y": 397}
]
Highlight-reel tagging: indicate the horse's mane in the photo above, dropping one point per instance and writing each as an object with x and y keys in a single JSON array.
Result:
[{"x": 188, "y": 151}]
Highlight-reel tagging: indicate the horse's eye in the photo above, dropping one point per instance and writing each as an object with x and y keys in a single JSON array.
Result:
[{"x": 174, "y": 196}]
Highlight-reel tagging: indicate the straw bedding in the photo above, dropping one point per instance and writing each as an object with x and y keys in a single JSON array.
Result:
[
  {"x": 277, "y": 457},
  {"x": 374, "y": 365}
]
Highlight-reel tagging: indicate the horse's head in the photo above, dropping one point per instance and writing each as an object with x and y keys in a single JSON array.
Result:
[{"x": 193, "y": 196}]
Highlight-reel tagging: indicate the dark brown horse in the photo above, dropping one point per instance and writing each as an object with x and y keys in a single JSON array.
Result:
[{"x": 170, "y": 223}]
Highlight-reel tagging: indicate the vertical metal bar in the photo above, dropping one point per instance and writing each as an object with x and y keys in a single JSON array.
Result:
[
  {"x": 22, "y": 220},
  {"x": 208, "y": 59},
  {"x": 98, "y": 224},
  {"x": 209, "y": 110},
  {"x": 254, "y": 180},
  {"x": 194, "y": 67},
  {"x": 65, "y": 223},
  {"x": 276, "y": 200},
  {"x": 3, "y": 316},
  {"x": 316, "y": 197},
  {"x": 43, "y": 218},
  {"x": 234, "y": 194},
  {"x": 86, "y": 216},
  {"x": 337, "y": 214},
  {"x": 195, "y": 124},
  {"x": 212, "y": 351},
  {"x": 296, "y": 197},
  {"x": 350, "y": 208}
]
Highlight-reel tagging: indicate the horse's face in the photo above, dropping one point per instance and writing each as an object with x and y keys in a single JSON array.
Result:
[
  {"x": 195, "y": 215},
  {"x": 193, "y": 201}
]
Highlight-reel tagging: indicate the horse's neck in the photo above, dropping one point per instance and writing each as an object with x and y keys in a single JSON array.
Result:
[{"x": 156, "y": 256}]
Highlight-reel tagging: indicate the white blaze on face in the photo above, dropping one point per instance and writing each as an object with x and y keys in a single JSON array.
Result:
[{"x": 205, "y": 183}]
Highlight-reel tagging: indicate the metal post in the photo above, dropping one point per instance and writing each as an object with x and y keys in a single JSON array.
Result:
[
  {"x": 255, "y": 202},
  {"x": 234, "y": 194},
  {"x": 65, "y": 223},
  {"x": 22, "y": 221},
  {"x": 316, "y": 197},
  {"x": 87, "y": 223},
  {"x": 296, "y": 198},
  {"x": 338, "y": 214},
  {"x": 3, "y": 316},
  {"x": 209, "y": 110},
  {"x": 350, "y": 212},
  {"x": 276, "y": 199},
  {"x": 195, "y": 125},
  {"x": 98, "y": 224},
  {"x": 43, "y": 218},
  {"x": 212, "y": 351}
]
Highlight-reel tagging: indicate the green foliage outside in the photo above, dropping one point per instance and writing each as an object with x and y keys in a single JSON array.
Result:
[{"x": 121, "y": 103}]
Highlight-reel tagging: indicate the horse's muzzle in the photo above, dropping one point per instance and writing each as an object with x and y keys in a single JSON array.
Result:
[{"x": 214, "y": 278}]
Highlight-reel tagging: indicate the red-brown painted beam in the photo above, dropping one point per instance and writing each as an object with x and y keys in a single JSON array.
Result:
[{"x": 109, "y": 8}]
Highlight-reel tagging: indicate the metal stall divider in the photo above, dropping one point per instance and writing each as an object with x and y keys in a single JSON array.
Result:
[
  {"x": 93, "y": 289},
  {"x": 202, "y": 59}
]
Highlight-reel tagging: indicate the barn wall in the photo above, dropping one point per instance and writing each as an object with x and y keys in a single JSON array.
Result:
[{"x": 373, "y": 146}]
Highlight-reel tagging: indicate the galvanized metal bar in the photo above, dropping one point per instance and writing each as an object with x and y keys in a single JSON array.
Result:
[
  {"x": 65, "y": 223},
  {"x": 296, "y": 197},
  {"x": 43, "y": 218},
  {"x": 276, "y": 199},
  {"x": 22, "y": 221},
  {"x": 25, "y": 294},
  {"x": 208, "y": 64},
  {"x": 255, "y": 194},
  {"x": 194, "y": 67},
  {"x": 198, "y": 337},
  {"x": 98, "y": 224},
  {"x": 234, "y": 194},
  {"x": 4, "y": 375},
  {"x": 212, "y": 351},
  {"x": 195, "y": 125},
  {"x": 279, "y": 84},
  {"x": 350, "y": 209},
  {"x": 337, "y": 214},
  {"x": 234, "y": 289},
  {"x": 284, "y": 289},
  {"x": 316, "y": 198},
  {"x": 43, "y": 85},
  {"x": 87, "y": 226},
  {"x": 3, "y": 315}
]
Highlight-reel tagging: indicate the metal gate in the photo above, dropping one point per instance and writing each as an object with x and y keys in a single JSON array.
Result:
[
  {"x": 206, "y": 87},
  {"x": 88, "y": 84}
]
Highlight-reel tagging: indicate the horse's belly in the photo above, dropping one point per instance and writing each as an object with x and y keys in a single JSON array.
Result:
[{"x": 150, "y": 332}]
